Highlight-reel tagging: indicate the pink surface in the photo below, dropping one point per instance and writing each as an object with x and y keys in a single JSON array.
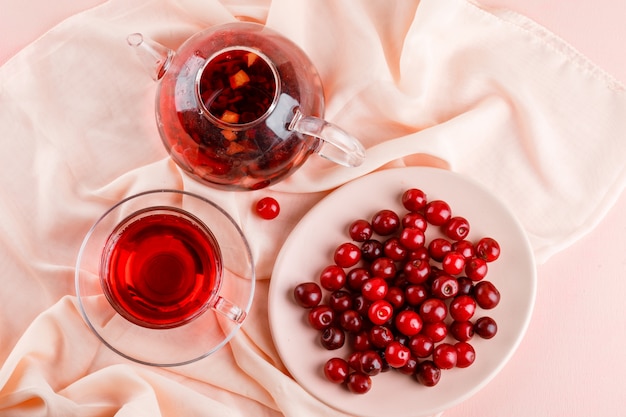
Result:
[{"x": 570, "y": 362}]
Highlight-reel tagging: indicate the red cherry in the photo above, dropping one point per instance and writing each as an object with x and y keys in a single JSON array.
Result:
[
  {"x": 462, "y": 307},
  {"x": 408, "y": 322},
  {"x": 462, "y": 330},
  {"x": 321, "y": 317},
  {"x": 267, "y": 208},
  {"x": 374, "y": 289},
  {"x": 476, "y": 269},
  {"x": 488, "y": 249},
  {"x": 396, "y": 354},
  {"x": 414, "y": 199},
  {"x": 359, "y": 383},
  {"x": 445, "y": 356},
  {"x": 456, "y": 228},
  {"x": 437, "y": 212},
  {"x": 421, "y": 345},
  {"x": 486, "y": 294},
  {"x": 307, "y": 294},
  {"x": 380, "y": 312},
  {"x": 336, "y": 370},
  {"x": 385, "y": 222},
  {"x": 465, "y": 354},
  {"x": 347, "y": 255},
  {"x": 453, "y": 263},
  {"x": 486, "y": 327},
  {"x": 333, "y": 278},
  {"x": 360, "y": 230},
  {"x": 427, "y": 373}
]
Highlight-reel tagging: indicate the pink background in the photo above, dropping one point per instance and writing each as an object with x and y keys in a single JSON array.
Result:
[{"x": 571, "y": 361}]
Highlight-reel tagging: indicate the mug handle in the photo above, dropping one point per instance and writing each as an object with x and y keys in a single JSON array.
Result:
[
  {"x": 337, "y": 145},
  {"x": 229, "y": 310}
]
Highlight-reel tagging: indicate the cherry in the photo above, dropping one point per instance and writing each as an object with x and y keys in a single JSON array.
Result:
[
  {"x": 307, "y": 294},
  {"x": 336, "y": 370},
  {"x": 396, "y": 354},
  {"x": 476, "y": 269},
  {"x": 438, "y": 247},
  {"x": 465, "y": 354},
  {"x": 267, "y": 208},
  {"x": 412, "y": 220},
  {"x": 462, "y": 307},
  {"x": 486, "y": 327},
  {"x": 421, "y": 345},
  {"x": 462, "y": 330},
  {"x": 347, "y": 255},
  {"x": 371, "y": 249},
  {"x": 374, "y": 289},
  {"x": 488, "y": 249},
  {"x": 453, "y": 263},
  {"x": 395, "y": 297},
  {"x": 445, "y": 356},
  {"x": 385, "y": 222},
  {"x": 332, "y": 338},
  {"x": 415, "y": 294},
  {"x": 465, "y": 248},
  {"x": 410, "y": 366},
  {"x": 417, "y": 271},
  {"x": 380, "y": 312},
  {"x": 360, "y": 230},
  {"x": 333, "y": 278},
  {"x": 466, "y": 285},
  {"x": 360, "y": 304},
  {"x": 370, "y": 363},
  {"x": 445, "y": 286},
  {"x": 351, "y": 321},
  {"x": 408, "y": 322},
  {"x": 437, "y": 212},
  {"x": 437, "y": 331},
  {"x": 340, "y": 300},
  {"x": 486, "y": 294},
  {"x": 361, "y": 341},
  {"x": 456, "y": 228},
  {"x": 383, "y": 267},
  {"x": 414, "y": 199},
  {"x": 380, "y": 336},
  {"x": 359, "y": 383},
  {"x": 356, "y": 277},
  {"x": 433, "y": 310},
  {"x": 427, "y": 373},
  {"x": 394, "y": 249},
  {"x": 412, "y": 238},
  {"x": 321, "y": 317}
]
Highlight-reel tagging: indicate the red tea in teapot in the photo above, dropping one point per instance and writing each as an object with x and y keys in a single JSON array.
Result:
[
  {"x": 225, "y": 117},
  {"x": 161, "y": 268},
  {"x": 238, "y": 87}
]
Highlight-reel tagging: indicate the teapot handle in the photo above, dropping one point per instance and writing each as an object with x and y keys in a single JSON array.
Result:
[{"x": 336, "y": 144}]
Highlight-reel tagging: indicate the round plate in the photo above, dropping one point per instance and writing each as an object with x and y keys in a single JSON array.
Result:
[
  {"x": 309, "y": 249},
  {"x": 191, "y": 341}
]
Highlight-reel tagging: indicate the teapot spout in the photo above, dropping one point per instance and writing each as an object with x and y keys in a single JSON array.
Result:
[{"x": 155, "y": 57}]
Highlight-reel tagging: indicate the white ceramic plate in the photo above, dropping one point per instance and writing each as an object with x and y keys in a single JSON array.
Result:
[{"x": 310, "y": 246}]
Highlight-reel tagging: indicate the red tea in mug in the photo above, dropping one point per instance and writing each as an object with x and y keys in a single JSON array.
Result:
[{"x": 161, "y": 268}]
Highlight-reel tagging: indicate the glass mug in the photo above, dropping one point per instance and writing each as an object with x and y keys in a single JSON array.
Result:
[
  {"x": 240, "y": 107},
  {"x": 172, "y": 267}
]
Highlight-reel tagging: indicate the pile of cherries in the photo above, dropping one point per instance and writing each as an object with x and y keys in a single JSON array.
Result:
[{"x": 400, "y": 301}]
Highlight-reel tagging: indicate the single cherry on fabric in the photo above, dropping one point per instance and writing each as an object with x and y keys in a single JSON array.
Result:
[{"x": 267, "y": 208}]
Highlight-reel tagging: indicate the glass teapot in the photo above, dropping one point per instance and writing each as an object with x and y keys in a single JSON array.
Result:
[{"x": 240, "y": 107}]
